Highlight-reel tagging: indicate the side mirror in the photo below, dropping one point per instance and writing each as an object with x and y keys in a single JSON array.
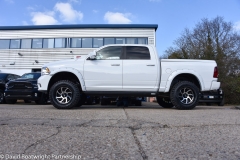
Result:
[{"x": 92, "y": 56}]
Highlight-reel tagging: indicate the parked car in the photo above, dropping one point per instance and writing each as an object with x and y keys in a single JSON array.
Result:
[
  {"x": 4, "y": 78},
  {"x": 25, "y": 88}
]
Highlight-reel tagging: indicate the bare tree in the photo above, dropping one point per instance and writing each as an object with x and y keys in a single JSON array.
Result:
[{"x": 214, "y": 40}]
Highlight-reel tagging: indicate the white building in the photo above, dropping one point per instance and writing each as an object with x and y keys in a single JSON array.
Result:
[{"x": 25, "y": 49}]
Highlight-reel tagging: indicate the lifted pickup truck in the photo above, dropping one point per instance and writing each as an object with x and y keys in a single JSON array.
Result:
[{"x": 128, "y": 70}]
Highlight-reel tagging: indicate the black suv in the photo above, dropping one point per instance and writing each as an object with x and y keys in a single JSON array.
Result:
[
  {"x": 4, "y": 78},
  {"x": 25, "y": 88}
]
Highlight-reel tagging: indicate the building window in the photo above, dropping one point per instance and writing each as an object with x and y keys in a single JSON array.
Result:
[
  {"x": 109, "y": 41},
  {"x": 131, "y": 40},
  {"x": 76, "y": 43},
  {"x": 120, "y": 40},
  {"x": 87, "y": 43},
  {"x": 142, "y": 40},
  {"x": 97, "y": 42},
  {"x": 26, "y": 43},
  {"x": 15, "y": 43},
  {"x": 109, "y": 53},
  {"x": 48, "y": 43},
  {"x": 60, "y": 43},
  {"x": 4, "y": 44},
  {"x": 137, "y": 52},
  {"x": 37, "y": 43}
]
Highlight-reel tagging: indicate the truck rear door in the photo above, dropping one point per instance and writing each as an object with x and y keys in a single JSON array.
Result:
[{"x": 139, "y": 69}]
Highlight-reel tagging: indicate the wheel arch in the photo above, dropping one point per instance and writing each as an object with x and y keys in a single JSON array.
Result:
[
  {"x": 70, "y": 74},
  {"x": 184, "y": 75}
]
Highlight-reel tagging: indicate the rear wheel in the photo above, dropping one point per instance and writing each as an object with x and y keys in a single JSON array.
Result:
[
  {"x": 164, "y": 102},
  {"x": 2, "y": 100},
  {"x": 11, "y": 101},
  {"x": 64, "y": 94},
  {"x": 184, "y": 95}
]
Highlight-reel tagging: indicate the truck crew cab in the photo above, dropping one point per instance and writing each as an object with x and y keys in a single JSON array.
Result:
[{"x": 128, "y": 70}]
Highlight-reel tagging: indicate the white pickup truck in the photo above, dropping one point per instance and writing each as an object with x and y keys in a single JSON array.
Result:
[{"x": 128, "y": 70}]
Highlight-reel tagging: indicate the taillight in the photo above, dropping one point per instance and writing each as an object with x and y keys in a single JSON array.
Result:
[{"x": 215, "y": 73}]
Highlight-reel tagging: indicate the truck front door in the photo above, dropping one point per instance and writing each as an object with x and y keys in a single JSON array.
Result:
[{"x": 104, "y": 73}]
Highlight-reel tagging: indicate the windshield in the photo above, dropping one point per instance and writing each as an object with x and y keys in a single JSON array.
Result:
[{"x": 31, "y": 75}]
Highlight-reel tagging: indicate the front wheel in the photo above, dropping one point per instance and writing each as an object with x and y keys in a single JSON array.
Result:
[
  {"x": 184, "y": 95},
  {"x": 164, "y": 102},
  {"x": 64, "y": 94}
]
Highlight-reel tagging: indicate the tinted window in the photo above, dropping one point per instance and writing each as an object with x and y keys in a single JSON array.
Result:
[
  {"x": 15, "y": 43},
  {"x": 131, "y": 40},
  {"x": 120, "y": 40},
  {"x": 37, "y": 43},
  {"x": 26, "y": 43},
  {"x": 4, "y": 44},
  {"x": 97, "y": 42},
  {"x": 31, "y": 75},
  {"x": 110, "y": 53},
  {"x": 60, "y": 42},
  {"x": 10, "y": 77},
  {"x": 109, "y": 41},
  {"x": 86, "y": 42},
  {"x": 142, "y": 40},
  {"x": 76, "y": 42},
  {"x": 136, "y": 52},
  {"x": 48, "y": 43}
]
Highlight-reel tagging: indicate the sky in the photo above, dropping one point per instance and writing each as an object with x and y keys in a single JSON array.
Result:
[{"x": 171, "y": 16}]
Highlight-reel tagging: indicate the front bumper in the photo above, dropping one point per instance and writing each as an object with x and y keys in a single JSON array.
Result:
[{"x": 26, "y": 95}]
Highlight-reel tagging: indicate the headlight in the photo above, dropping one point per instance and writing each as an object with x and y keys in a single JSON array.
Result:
[{"x": 45, "y": 71}]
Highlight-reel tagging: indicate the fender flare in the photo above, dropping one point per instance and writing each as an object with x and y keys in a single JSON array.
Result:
[
  {"x": 183, "y": 71},
  {"x": 74, "y": 71}
]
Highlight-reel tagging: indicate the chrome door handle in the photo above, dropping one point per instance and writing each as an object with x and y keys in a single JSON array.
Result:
[
  {"x": 150, "y": 64},
  {"x": 115, "y": 64}
]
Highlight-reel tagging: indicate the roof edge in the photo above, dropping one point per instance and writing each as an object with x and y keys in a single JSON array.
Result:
[{"x": 76, "y": 26}]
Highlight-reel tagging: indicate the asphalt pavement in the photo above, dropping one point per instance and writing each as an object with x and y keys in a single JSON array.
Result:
[{"x": 29, "y": 131}]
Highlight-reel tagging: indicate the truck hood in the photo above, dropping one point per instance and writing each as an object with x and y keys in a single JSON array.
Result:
[{"x": 72, "y": 63}]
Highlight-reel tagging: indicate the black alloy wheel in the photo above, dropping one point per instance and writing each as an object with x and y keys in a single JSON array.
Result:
[{"x": 184, "y": 95}]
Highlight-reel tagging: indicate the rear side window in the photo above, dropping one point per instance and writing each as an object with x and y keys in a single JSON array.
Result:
[{"x": 137, "y": 52}]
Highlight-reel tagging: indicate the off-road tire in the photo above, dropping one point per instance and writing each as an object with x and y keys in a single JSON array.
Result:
[
  {"x": 11, "y": 101},
  {"x": 184, "y": 95},
  {"x": 68, "y": 95},
  {"x": 164, "y": 102}
]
